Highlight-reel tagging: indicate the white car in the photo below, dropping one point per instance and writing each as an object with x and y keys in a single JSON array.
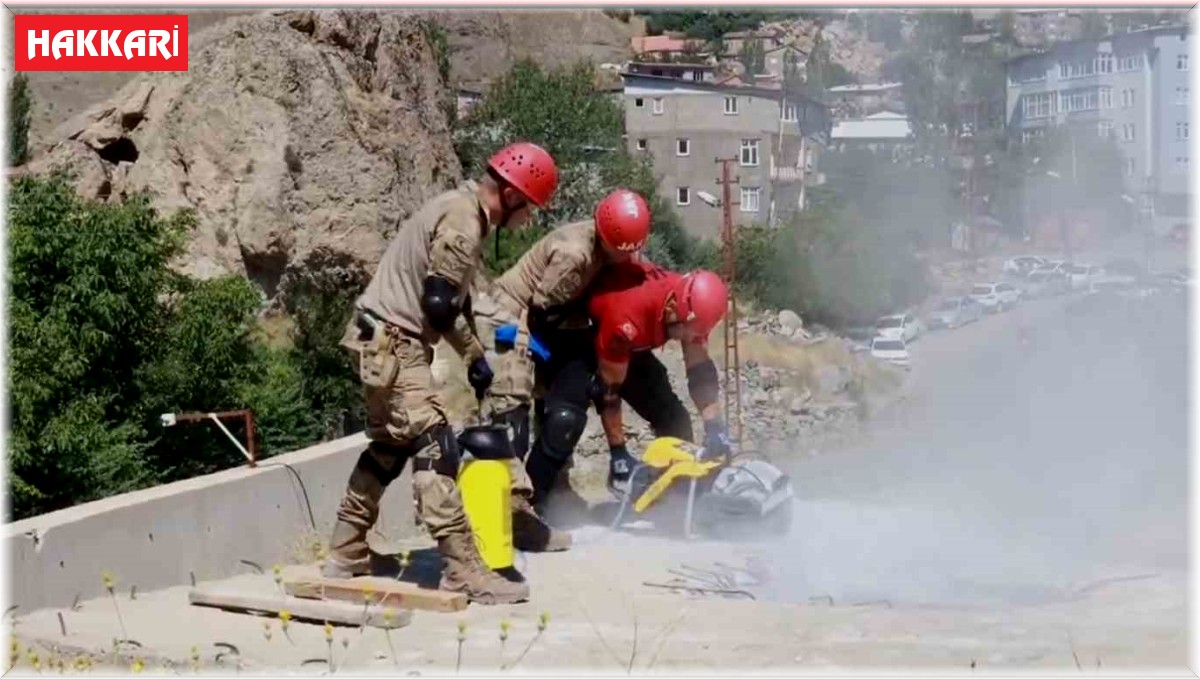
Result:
[
  {"x": 955, "y": 311},
  {"x": 1022, "y": 265},
  {"x": 892, "y": 350},
  {"x": 995, "y": 297},
  {"x": 1081, "y": 275},
  {"x": 900, "y": 326}
]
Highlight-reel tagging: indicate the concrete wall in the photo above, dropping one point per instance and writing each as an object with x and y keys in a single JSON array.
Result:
[{"x": 161, "y": 537}]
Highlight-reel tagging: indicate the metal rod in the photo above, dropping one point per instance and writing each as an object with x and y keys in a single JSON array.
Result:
[
  {"x": 732, "y": 373},
  {"x": 250, "y": 450},
  {"x": 249, "y": 457}
]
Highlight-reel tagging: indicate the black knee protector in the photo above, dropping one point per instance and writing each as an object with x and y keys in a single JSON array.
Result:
[
  {"x": 395, "y": 455},
  {"x": 562, "y": 429},
  {"x": 447, "y": 463},
  {"x": 516, "y": 420}
]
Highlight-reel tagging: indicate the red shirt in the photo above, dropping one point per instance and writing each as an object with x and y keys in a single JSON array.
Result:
[{"x": 627, "y": 304}]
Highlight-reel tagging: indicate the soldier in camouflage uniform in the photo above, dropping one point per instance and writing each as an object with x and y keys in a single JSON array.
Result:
[
  {"x": 543, "y": 295},
  {"x": 419, "y": 294}
]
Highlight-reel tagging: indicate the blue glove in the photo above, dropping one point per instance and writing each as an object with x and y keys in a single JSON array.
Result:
[
  {"x": 507, "y": 334},
  {"x": 480, "y": 376},
  {"x": 716, "y": 437},
  {"x": 620, "y": 469}
]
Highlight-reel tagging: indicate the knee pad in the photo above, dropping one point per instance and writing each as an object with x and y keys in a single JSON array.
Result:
[
  {"x": 517, "y": 422},
  {"x": 562, "y": 429},
  {"x": 384, "y": 461}
]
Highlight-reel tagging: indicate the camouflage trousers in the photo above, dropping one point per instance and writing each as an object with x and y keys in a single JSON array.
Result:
[
  {"x": 403, "y": 408},
  {"x": 513, "y": 366}
]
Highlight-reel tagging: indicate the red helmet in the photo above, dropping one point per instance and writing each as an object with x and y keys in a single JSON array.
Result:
[
  {"x": 701, "y": 300},
  {"x": 529, "y": 169},
  {"x": 623, "y": 220}
]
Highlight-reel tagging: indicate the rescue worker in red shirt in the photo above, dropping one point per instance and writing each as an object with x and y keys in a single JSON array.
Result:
[{"x": 636, "y": 307}]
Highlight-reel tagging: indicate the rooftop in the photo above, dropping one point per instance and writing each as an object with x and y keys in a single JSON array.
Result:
[
  {"x": 882, "y": 125},
  {"x": 1053, "y": 47}
]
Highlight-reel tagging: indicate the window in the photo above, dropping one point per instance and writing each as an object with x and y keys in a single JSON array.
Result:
[
  {"x": 1127, "y": 132},
  {"x": 1181, "y": 62},
  {"x": 731, "y": 106},
  {"x": 683, "y": 147},
  {"x": 658, "y": 106},
  {"x": 1126, "y": 98},
  {"x": 1104, "y": 63},
  {"x": 698, "y": 76},
  {"x": 789, "y": 112},
  {"x": 641, "y": 144},
  {"x": 1181, "y": 131},
  {"x": 1032, "y": 135},
  {"x": 749, "y": 202},
  {"x": 1078, "y": 100},
  {"x": 683, "y": 196},
  {"x": 639, "y": 103},
  {"x": 1181, "y": 164},
  {"x": 1181, "y": 96},
  {"x": 1130, "y": 167},
  {"x": 1077, "y": 69},
  {"x": 1039, "y": 105},
  {"x": 1131, "y": 63},
  {"x": 1105, "y": 97},
  {"x": 750, "y": 152},
  {"x": 1104, "y": 129}
]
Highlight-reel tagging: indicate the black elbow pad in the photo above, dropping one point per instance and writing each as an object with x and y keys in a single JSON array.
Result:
[{"x": 437, "y": 302}]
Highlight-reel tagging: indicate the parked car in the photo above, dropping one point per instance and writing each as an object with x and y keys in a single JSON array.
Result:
[
  {"x": 902, "y": 326},
  {"x": 1172, "y": 280},
  {"x": 1124, "y": 267},
  {"x": 955, "y": 311},
  {"x": 1111, "y": 284},
  {"x": 891, "y": 350},
  {"x": 1043, "y": 283},
  {"x": 1082, "y": 274},
  {"x": 1022, "y": 265},
  {"x": 1053, "y": 265},
  {"x": 995, "y": 297}
]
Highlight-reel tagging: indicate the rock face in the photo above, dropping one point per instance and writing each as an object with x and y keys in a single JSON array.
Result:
[{"x": 292, "y": 132}]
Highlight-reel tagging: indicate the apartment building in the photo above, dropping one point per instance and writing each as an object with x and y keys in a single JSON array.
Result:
[
  {"x": 686, "y": 125},
  {"x": 1133, "y": 87}
]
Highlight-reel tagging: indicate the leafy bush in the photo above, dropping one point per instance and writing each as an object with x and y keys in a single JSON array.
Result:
[{"x": 106, "y": 338}]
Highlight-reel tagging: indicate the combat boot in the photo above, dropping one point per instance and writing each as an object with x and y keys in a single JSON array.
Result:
[
  {"x": 464, "y": 571},
  {"x": 531, "y": 533},
  {"x": 349, "y": 556}
]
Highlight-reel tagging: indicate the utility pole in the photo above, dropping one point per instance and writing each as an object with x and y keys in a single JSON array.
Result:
[{"x": 733, "y": 363}]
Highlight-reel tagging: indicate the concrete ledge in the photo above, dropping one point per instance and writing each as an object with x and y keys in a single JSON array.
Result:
[{"x": 202, "y": 527}]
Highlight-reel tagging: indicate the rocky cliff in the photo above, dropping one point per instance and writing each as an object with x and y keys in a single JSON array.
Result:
[{"x": 292, "y": 132}]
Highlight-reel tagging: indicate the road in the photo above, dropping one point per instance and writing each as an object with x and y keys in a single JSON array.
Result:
[{"x": 1023, "y": 509}]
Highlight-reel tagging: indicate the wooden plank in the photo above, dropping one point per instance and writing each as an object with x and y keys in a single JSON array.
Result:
[
  {"x": 380, "y": 590},
  {"x": 341, "y": 612}
]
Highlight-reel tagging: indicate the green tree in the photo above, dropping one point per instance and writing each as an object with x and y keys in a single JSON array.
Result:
[
  {"x": 84, "y": 286},
  {"x": 319, "y": 298},
  {"x": 582, "y": 128},
  {"x": 105, "y": 338},
  {"x": 19, "y": 105}
]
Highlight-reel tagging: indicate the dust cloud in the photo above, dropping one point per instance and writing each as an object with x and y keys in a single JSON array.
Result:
[{"x": 1013, "y": 474}]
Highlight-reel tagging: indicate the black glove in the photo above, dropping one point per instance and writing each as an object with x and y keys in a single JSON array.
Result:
[
  {"x": 480, "y": 375},
  {"x": 620, "y": 468},
  {"x": 716, "y": 437}
]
